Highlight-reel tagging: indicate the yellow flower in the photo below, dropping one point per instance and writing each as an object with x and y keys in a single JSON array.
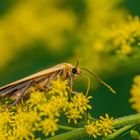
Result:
[
  {"x": 137, "y": 80},
  {"x": 80, "y": 102},
  {"x": 37, "y": 97},
  {"x": 100, "y": 127},
  {"x": 92, "y": 129},
  {"x": 73, "y": 114},
  {"x": 24, "y": 124},
  {"x": 59, "y": 102},
  {"x": 5, "y": 117},
  {"x": 126, "y": 36},
  {"x": 49, "y": 126},
  {"x": 48, "y": 110},
  {"x": 135, "y": 94},
  {"x": 126, "y": 49},
  {"x": 59, "y": 87},
  {"x": 106, "y": 125},
  {"x": 77, "y": 107},
  {"x": 22, "y": 131},
  {"x": 2, "y": 135}
]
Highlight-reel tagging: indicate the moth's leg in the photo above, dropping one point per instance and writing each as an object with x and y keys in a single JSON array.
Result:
[
  {"x": 22, "y": 93},
  {"x": 39, "y": 86},
  {"x": 59, "y": 73},
  {"x": 88, "y": 85},
  {"x": 70, "y": 84}
]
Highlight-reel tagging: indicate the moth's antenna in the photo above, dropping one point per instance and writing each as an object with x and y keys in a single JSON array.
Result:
[
  {"x": 100, "y": 80},
  {"x": 77, "y": 63}
]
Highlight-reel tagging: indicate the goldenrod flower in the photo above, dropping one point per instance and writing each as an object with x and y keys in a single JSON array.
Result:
[
  {"x": 126, "y": 49},
  {"x": 5, "y": 120},
  {"x": 2, "y": 134},
  {"x": 101, "y": 127},
  {"x": 126, "y": 36},
  {"x": 92, "y": 129},
  {"x": 59, "y": 102},
  {"x": 73, "y": 114},
  {"x": 106, "y": 125},
  {"x": 49, "y": 126},
  {"x": 59, "y": 87},
  {"x": 5, "y": 117},
  {"x": 22, "y": 131},
  {"x": 80, "y": 102},
  {"x": 135, "y": 94},
  {"x": 37, "y": 97},
  {"x": 48, "y": 110},
  {"x": 24, "y": 124},
  {"x": 77, "y": 106}
]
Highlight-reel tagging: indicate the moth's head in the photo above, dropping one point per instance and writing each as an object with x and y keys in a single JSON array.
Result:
[{"x": 75, "y": 70}]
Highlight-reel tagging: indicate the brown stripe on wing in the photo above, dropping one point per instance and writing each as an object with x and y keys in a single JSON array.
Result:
[{"x": 12, "y": 89}]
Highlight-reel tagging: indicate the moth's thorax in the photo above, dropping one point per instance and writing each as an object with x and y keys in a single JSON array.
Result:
[{"x": 69, "y": 67}]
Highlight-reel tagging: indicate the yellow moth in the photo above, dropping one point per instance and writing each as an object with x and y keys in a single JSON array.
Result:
[{"x": 43, "y": 79}]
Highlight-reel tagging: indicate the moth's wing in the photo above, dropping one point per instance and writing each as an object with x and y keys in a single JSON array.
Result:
[
  {"x": 17, "y": 85},
  {"x": 20, "y": 85},
  {"x": 33, "y": 76},
  {"x": 12, "y": 88}
]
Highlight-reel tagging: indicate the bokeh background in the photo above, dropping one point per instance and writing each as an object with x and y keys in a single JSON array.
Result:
[{"x": 103, "y": 35}]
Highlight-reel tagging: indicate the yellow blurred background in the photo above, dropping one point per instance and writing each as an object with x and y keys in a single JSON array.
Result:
[{"x": 103, "y": 35}]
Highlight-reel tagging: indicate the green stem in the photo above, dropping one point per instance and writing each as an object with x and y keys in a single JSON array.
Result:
[
  {"x": 69, "y": 135},
  {"x": 66, "y": 127},
  {"x": 118, "y": 132},
  {"x": 127, "y": 120}
]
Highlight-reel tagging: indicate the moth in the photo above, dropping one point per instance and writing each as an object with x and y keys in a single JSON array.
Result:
[{"x": 43, "y": 80}]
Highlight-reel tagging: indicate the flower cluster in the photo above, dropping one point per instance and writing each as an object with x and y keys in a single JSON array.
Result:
[
  {"x": 126, "y": 38},
  {"x": 135, "y": 94},
  {"x": 42, "y": 111},
  {"x": 77, "y": 106},
  {"x": 101, "y": 127}
]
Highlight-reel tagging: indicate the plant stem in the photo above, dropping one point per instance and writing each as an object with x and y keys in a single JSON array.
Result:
[
  {"x": 118, "y": 132},
  {"x": 127, "y": 120},
  {"x": 66, "y": 127},
  {"x": 69, "y": 135}
]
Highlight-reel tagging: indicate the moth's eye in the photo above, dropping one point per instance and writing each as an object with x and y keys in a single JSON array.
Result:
[{"x": 74, "y": 71}]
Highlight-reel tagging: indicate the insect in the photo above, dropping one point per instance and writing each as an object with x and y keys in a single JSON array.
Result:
[{"x": 43, "y": 80}]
